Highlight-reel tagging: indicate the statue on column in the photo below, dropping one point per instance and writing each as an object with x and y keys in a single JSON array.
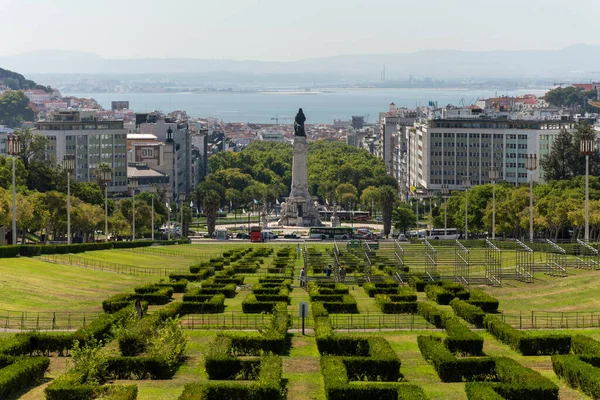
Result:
[{"x": 299, "y": 124}]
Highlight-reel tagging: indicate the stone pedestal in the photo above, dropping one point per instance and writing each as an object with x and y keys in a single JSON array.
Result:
[{"x": 299, "y": 208}]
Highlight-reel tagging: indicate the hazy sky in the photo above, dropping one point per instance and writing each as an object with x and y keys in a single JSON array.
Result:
[{"x": 286, "y": 30}]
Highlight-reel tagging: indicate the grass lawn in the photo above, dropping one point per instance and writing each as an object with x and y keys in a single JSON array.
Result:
[
  {"x": 31, "y": 285},
  {"x": 576, "y": 292},
  {"x": 135, "y": 259}
]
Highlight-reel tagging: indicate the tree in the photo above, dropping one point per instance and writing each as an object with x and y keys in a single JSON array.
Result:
[
  {"x": 14, "y": 108},
  {"x": 369, "y": 198},
  {"x": 388, "y": 197},
  {"x": 32, "y": 146},
  {"x": 403, "y": 217},
  {"x": 346, "y": 195},
  {"x": 211, "y": 202}
]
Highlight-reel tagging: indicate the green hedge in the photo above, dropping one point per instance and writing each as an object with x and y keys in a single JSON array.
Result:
[
  {"x": 519, "y": 382},
  {"x": 200, "y": 305},
  {"x": 417, "y": 283},
  {"x": 431, "y": 313},
  {"x": 328, "y": 288},
  {"x": 266, "y": 387},
  {"x": 450, "y": 368},
  {"x": 483, "y": 300},
  {"x": 251, "y": 305},
  {"x": 139, "y": 367},
  {"x": 178, "y": 286},
  {"x": 346, "y": 306},
  {"x": 578, "y": 374},
  {"x": 21, "y": 374},
  {"x": 439, "y": 294},
  {"x": 468, "y": 312},
  {"x": 388, "y": 306},
  {"x": 193, "y": 277},
  {"x": 461, "y": 339},
  {"x": 584, "y": 345},
  {"x": 229, "y": 290},
  {"x": 381, "y": 288},
  {"x": 528, "y": 344},
  {"x": 482, "y": 391},
  {"x": 226, "y": 279},
  {"x": 40, "y": 249}
]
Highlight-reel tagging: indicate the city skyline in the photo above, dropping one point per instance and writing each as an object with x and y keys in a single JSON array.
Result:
[{"x": 268, "y": 31}]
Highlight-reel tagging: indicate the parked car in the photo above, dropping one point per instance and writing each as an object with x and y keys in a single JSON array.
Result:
[
  {"x": 401, "y": 237},
  {"x": 291, "y": 236},
  {"x": 241, "y": 235},
  {"x": 268, "y": 235}
]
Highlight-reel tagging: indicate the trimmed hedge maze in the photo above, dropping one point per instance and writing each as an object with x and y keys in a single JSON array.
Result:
[
  {"x": 359, "y": 367},
  {"x": 257, "y": 376},
  {"x": 266, "y": 294},
  {"x": 333, "y": 297}
]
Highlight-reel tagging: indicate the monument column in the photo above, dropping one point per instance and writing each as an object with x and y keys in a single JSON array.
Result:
[{"x": 299, "y": 168}]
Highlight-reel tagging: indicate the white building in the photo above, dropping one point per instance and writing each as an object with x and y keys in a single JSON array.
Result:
[{"x": 91, "y": 141}]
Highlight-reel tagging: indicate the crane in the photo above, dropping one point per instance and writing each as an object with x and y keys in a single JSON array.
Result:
[{"x": 277, "y": 118}]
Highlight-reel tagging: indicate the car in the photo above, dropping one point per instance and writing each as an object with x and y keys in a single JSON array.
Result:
[
  {"x": 291, "y": 236},
  {"x": 379, "y": 219},
  {"x": 241, "y": 235},
  {"x": 269, "y": 235},
  {"x": 401, "y": 237}
]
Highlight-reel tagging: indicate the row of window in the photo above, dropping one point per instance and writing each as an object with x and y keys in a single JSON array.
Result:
[
  {"x": 479, "y": 135},
  {"x": 95, "y": 137},
  {"x": 465, "y": 163}
]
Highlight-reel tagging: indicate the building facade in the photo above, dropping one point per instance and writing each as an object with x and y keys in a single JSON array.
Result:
[
  {"x": 92, "y": 142},
  {"x": 446, "y": 151}
]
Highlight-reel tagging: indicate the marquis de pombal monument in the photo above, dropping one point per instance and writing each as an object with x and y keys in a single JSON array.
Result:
[{"x": 299, "y": 208}]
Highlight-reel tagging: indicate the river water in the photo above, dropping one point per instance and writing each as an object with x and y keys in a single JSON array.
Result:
[{"x": 321, "y": 106}]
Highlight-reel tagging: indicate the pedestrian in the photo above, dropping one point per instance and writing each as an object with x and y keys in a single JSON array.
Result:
[
  {"x": 342, "y": 274},
  {"x": 302, "y": 277},
  {"x": 328, "y": 271}
]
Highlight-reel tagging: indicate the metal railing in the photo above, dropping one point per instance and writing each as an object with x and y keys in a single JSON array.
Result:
[
  {"x": 160, "y": 251},
  {"x": 461, "y": 263},
  {"x": 99, "y": 265},
  {"x": 493, "y": 263},
  {"x": 45, "y": 320},
  {"x": 430, "y": 260},
  {"x": 552, "y": 319}
]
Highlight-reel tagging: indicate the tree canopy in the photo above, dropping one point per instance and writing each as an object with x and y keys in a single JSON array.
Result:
[
  {"x": 571, "y": 97},
  {"x": 14, "y": 109}
]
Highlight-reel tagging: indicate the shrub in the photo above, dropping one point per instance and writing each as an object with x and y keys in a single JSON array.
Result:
[
  {"x": 346, "y": 306},
  {"x": 431, "y": 313},
  {"x": 528, "y": 344},
  {"x": 519, "y": 382},
  {"x": 388, "y": 306},
  {"x": 380, "y": 288},
  {"x": 22, "y": 373},
  {"x": 213, "y": 305},
  {"x": 578, "y": 374},
  {"x": 483, "y": 300},
  {"x": 229, "y": 290},
  {"x": 452, "y": 369},
  {"x": 461, "y": 339},
  {"x": 251, "y": 305},
  {"x": 584, "y": 345},
  {"x": 439, "y": 294},
  {"x": 417, "y": 283},
  {"x": 468, "y": 312},
  {"x": 140, "y": 367}
]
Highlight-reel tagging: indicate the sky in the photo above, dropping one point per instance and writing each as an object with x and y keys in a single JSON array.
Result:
[{"x": 282, "y": 30}]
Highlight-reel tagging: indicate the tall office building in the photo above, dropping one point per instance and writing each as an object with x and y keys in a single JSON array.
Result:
[
  {"x": 445, "y": 151},
  {"x": 92, "y": 142}
]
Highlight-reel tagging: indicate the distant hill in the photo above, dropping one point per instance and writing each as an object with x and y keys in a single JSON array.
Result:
[
  {"x": 576, "y": 62},
  {"x": 17, "y": 81}
]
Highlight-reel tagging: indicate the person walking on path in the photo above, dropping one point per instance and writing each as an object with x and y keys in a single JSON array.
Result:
[
  {"x": 328, "y": 271},
  {"x": 302, "y": 277},
  {"x": 342, "y": 274}
]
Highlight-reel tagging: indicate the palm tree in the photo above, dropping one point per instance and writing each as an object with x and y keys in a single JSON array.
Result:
[{"x": 211, "y": 202}]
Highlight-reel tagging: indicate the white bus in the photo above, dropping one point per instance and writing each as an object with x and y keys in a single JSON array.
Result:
[
  {"x": 440, "y": 234},
  {"x": 331, "y": 233}
]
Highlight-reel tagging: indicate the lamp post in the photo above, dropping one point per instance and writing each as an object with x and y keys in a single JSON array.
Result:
[
  {"x": 105, "y": 178},
  {"x": 168, "y": 222},
  {"x": 14, "y": 149},
  {"x": 152, "y": 191},
  {"x": 181, "y": 202},
  {"x": 132, "y": 185},
  {"x": 587, "y": 149},
  {"x": 494, "y": 175},
  {"x": 531, "y": 166},
  {"x": 466, "y": 183},
  {"x": 445, "y": 192},
  {"x": 69, "y": 167}
]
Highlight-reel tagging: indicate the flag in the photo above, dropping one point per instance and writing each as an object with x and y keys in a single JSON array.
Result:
[{"x": 191, "y": 204}]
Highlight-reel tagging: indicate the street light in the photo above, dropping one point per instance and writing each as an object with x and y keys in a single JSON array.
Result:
[
  {"x": 587, "y": 149},
  {"x": 69, "y": 167},
  {"x": 105, "y": 178},
  {"x": 13, "y": 149},
  {"x": 466, "y": 183},
  {"x": 531, "y": 166},
  {"x": 168, "y": 222},
  {"x": 445, "y": 192},
  {"x": 181, "y": 202},
  {"x": 132, "y": 185},
  {"x": 152, "y": 191},
  {"x": 494, "y": 175}
]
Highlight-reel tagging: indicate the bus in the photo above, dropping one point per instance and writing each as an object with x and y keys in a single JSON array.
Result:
[
  {"x": 343, "y": 233},
  {"x": 439, "y": 234},
  {"x": 256, "y": 234}
]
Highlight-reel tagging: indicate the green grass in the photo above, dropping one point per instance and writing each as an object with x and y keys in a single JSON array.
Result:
[
  {"x": 31, "y": 285},
  {"x": 135, "y": 259}
]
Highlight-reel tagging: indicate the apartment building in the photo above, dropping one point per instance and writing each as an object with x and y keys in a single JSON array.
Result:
[
  {"x": 446, "y": 151},
  {"x": 92, "y": 142}
]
